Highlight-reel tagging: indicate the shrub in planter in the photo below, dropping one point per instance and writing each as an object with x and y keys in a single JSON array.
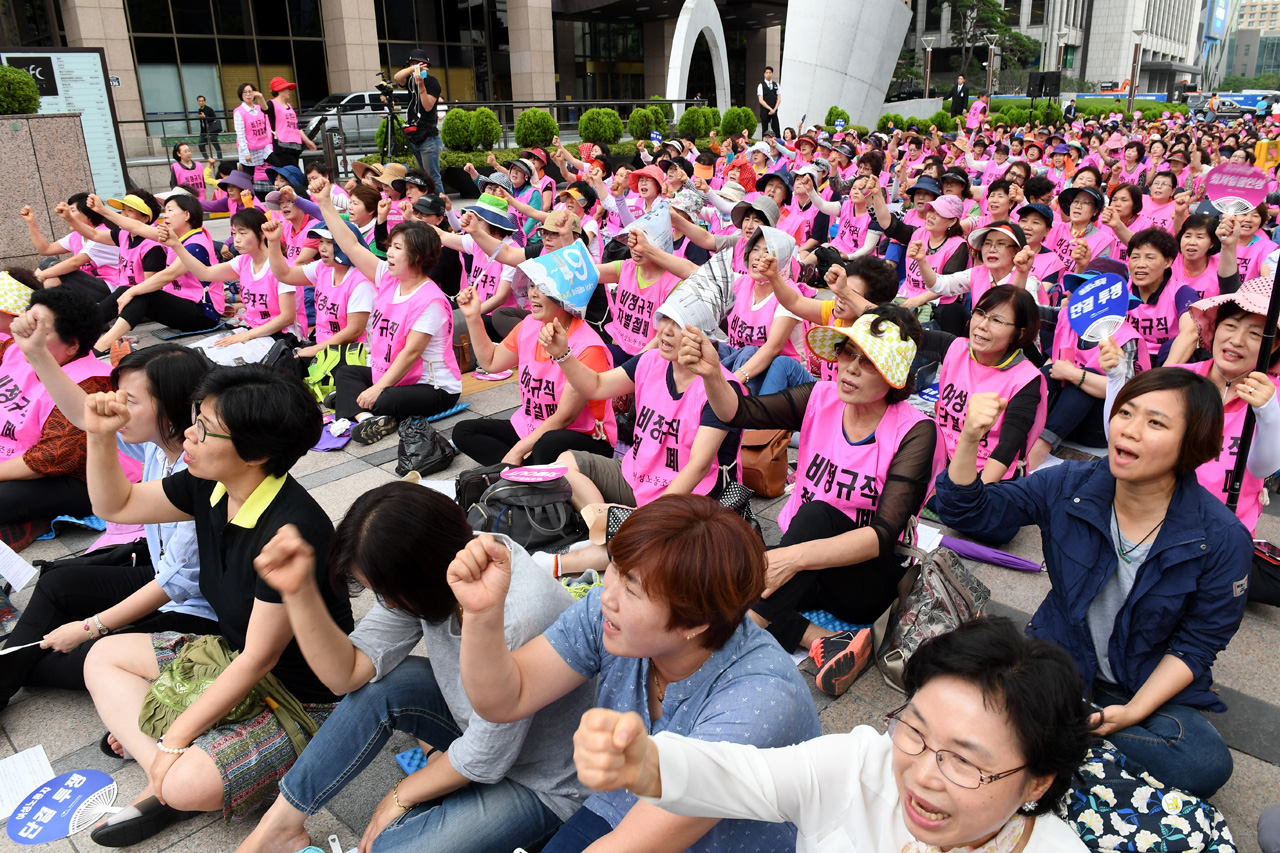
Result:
[
  {"x": 536, "y": 128},
  {"x": 713, "y": 115},
  {"x": 600, "y": 125},
  {"x": 642, "y": 122},
  {"x": 943, "y": 122},
  {"x": 485, "y": 129},
  {"x": 736, "y": 120},
  {"x": 380, "y": 138},
  {"x": 898, "y": 122},
  {"x": 696, "y": 121},
  {"x": 834, "y": 113},
  {"x": 455, "y": 130},
  {"x": 19, "y": 94},
  {"x": 667, "y": 112}
]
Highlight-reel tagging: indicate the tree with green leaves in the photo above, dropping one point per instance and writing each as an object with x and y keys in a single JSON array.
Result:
[{"x": 973, "y": 20}]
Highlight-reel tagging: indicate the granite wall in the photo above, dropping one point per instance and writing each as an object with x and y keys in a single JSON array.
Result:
[{"x": 43, "y": 160}]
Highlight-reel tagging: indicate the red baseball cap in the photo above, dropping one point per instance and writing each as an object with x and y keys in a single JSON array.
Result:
[{"x": 279, "y": 84}]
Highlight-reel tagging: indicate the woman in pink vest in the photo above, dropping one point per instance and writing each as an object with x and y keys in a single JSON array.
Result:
[
  {"x": 1082, "y": 205},
  {"x": 289, "y": 140},
  {"x": 642, "y": 285},
  {"x": 1002, "y": 258},
  {"x": 1133, "y": 169},
  {"x": 1005, "y": 322},
  {"x": 343, "y": 296},
  {"x": 1159, "y": 207},
  {"x": 269, "y": 305},
  {"x": 253, "y": 131},
  {"x": 42, "y": 455},
  {"x": 867, "y": 461},
  {"x": 854, "y": 237},
  {"x": 1161, "y": 302},
  {"x": 1076, "y": 386},
  {"x": 680, "y": 446},
  {"x": 1196, "y": 265},
  {"x": 1123, "y": 216},
  {"x": 92, "y": 267},
  {"x": 490, "y": 278},
  {"x": 185, "y": 173},
  {"x": 551, "y": 418},
  {"x": 173, "y": 296},
  {"x": 1254, "y": 245},
  {"x": 412, "y": 369},
  {"x": 138, "y": 256},
  {"x": 943, "y": 245}
]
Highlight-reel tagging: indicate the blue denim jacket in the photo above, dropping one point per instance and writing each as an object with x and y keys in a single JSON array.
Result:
[{"x": 1187, "y": 600}]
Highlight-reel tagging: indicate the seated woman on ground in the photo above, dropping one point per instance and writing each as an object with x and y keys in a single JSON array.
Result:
[
  {"x": 412, "y": 369},
  {"x": 667, "y": 624},
  {"x": 80, "y": 602},
  {"x": 486, "y": 787},
  {"x": 250, "y": 425},
  {"x": 42, "y": 453},
  {"x": 1002, "y": 257},
  {"x": 552, "y": 417},
  {"x": 861, "y": 478},
  {"x": 490, "y": 278},
  {"x": 173, "y": 297},
  {"x": 269, "y": 304},
  {"x": 977, "y": 758},
  {"x": 92, "y": 266},
  {"x": 680, "y": 446},
  {"x": 1157, "y": 563}
]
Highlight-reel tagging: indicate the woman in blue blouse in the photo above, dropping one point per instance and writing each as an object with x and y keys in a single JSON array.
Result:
[{"x": 667, "y": 638}]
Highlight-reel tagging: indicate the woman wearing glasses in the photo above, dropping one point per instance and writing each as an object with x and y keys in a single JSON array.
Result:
[
  {"x": 979, "y": 755},
  {"x": 249, "y": 426}
]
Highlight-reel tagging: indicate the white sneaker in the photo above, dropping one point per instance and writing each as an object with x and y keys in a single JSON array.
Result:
[{"x": 339, "y": 426}]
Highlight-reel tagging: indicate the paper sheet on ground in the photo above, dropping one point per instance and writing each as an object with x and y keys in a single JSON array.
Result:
[
  {"x": 448, "y": 488},
  {"x": 246, "y": 352},
  {"x": 16, "y": 570},
  {"x": 20, "y": 775}
]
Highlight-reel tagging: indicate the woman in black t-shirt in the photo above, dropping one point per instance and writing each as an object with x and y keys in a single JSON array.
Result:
[{"x": 250, "y": 425}]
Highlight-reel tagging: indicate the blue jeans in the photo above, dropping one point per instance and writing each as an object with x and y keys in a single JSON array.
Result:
[
  {"x": 428, "y": 154},
  {"x": 1176, "y": 744},
  {"x": 784, "y": 371},
  {"x": 477, "y": 818},
  {"x": 579, "y": 832}
]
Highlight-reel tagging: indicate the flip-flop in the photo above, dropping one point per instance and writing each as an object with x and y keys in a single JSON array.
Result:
[
  {"x": 137, "y": 823},
  {"x": 105, "y": 745}
]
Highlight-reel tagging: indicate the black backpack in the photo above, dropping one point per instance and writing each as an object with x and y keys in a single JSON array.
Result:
[{"x": 539, "y": 516}]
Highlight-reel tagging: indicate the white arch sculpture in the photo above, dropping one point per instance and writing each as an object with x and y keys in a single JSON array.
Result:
[{"x": 698, "y": 17}]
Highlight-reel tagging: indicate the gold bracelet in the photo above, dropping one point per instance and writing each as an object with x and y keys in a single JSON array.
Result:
[{"x": 395, "y": 796}]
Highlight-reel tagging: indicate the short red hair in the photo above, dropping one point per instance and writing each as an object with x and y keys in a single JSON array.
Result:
[{"x": 698, "y": 557}]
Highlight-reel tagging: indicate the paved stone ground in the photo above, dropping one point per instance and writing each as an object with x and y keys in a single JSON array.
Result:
[{"x": 66, "y": 724}]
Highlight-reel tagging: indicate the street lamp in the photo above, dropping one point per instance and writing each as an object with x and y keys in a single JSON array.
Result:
[
  {"x": 928, "y": 60},
  {"x": 991, "y": 38},
  {"x": 1133, "y": 72},
  {"x": 1062, "y": 37}
]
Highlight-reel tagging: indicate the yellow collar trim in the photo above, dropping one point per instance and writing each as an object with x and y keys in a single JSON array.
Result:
[{"x": 251, "y": 510}]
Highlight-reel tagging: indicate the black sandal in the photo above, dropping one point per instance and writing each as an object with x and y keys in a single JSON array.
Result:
[
  {"x": 137, "y": 823},
  {"x": 105, "y": 745}
]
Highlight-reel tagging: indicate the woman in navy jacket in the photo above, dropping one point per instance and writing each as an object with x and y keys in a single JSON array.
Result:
[{"x": 1149, "y": 570}]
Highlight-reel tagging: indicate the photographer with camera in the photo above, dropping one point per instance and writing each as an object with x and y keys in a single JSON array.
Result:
[{"x": 421, "y": 127}]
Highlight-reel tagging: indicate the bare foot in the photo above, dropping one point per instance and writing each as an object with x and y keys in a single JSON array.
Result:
[
  {"x": 115, "y": 745},
  {"x": 281, "y": 830}
]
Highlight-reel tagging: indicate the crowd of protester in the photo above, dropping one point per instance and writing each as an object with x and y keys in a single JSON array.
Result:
[{"x": 949, "y": 264}]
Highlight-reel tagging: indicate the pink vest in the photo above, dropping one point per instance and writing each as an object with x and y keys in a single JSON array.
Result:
[
  {"x": 1160, "y": 215},
  {"x": 913, "y": 281},
  {"x": 1059, "y": 241},
  {"x": 799, "y": 223},
  {"x": 331, "y": 301},
  {"x": 613, "y": 222},
  {"x": 187, "y": 285},
  {"x": 131, "y": 271},
  {"x": 995, "y": 171},
  {"x": 1131, "y": 176},
  {"x": 961, "y": 377},
  {"x": 632, "y": 306},
  {"x": 1159, "y": 322},
  {"x": 294, "y": 240},
  {"x": 1119, "y": 248},
  {"x": 976, "y": 111},
  {"x": 486, "y": 275},
  {"x": 286, "y": 124},
  {"x": 852, "y": 231},
  {"x": 257, "y": 132},
  {"x": 1215, "y": 475},
  {"x": 542, "y": 383},
  {"x": 390, "y": 324},
  {"x": 76, "y": 245},
  {"x": 1249, "y": 258},
  {"x": 749, "y": 324},
  {"x": 191, "y": 179},
  {"x": 260, "y": 294},
  {"x": 665, "y": 429},
  {"x": 24, "y": 403},
  {"x": 1065, "y": 346},
  {"x": 846, "y": 476},
  {"x": 1205, "y": 284},
  {"x": 395, "y": 215}
]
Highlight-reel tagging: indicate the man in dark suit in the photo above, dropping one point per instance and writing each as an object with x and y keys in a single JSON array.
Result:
[
  {"x": 959, "y": 97},
  {"x": 1070, "y": 112}
]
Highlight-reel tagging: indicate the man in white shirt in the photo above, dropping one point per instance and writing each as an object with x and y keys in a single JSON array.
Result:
[{"x": 769, "y": 95}]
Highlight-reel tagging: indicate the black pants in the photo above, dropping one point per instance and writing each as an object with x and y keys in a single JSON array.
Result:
[
  {"x": 1074, "y": 415},
  {"x": 44, "y": 497},
  {"x": 487, "y": 440},
  {"x": 75, "y": 593},
  {"x": 952, "y": 318},
  {"x": 165, "y": 308},
  {"x": 858, "y": 593},
  {"x": 767, "y": 120},
  {"x": 400, "y": 401},
  {"x": 284, "y": 156},
  {"x": 78, "y": 279},
  {"x": 207, "y": 141}
]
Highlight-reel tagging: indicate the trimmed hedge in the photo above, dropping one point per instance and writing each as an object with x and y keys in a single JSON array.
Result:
[
  {"x": 834, "y": 113},
  {"x": 667, "y": 112},
  {"x": 535, "y": 128},
  {"x": 19, "y": 94},
  {"x": 486, "y": 130},
  {"x": 696, "y": 120},
  {"x": 455, "y": 130},
  {"x": 643, "y": 121},
  {"x": 600, "y": 124},
  {"x": 736, "y": 120}
]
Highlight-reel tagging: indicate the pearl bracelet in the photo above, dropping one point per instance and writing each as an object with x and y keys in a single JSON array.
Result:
[
  {"x": 561, "y": 359},
  {"x": 160, "y": 746}
]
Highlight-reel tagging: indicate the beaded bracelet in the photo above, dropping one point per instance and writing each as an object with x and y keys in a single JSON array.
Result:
[
  {"x": 160, "y": 746},
  {"x": 561, "y": 359}
]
